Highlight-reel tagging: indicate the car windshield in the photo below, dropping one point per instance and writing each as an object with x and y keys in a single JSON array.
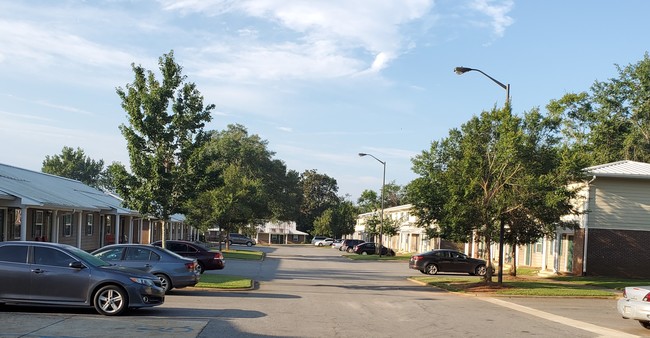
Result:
[{"x": 88, "y": 258}]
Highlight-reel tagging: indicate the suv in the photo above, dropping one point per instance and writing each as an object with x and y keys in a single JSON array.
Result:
[
  {"x": 235, "y": 238},
  {"x": 349, "y": 244}
]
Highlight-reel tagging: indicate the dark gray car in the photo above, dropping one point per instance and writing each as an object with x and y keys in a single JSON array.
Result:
[
  {"x": 173, "y": 270},
  {"x": 41, "y": 273},
  {"x": 235, "y": 238}
]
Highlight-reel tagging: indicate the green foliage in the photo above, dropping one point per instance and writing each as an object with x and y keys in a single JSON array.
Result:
[
  {"x": 243, "y": 186},
  {"x": 318, "y": 194},
  {"x": 164, "y": 135},
  {"x": 336, "y": 221},
  {"x": 76, "y": 165}
]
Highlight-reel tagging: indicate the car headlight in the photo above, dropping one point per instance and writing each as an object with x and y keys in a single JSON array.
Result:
[{"x": 143, "y": 281}]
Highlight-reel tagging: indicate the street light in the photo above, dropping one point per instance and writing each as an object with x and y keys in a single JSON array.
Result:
[
  {"x": 383, "y": 184},
  {"x": 463, "y": 70}
]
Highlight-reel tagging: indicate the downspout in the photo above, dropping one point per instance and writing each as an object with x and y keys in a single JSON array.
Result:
[
  {"x": 586, "y": 226},
  {"x": 23, "y": 223}
]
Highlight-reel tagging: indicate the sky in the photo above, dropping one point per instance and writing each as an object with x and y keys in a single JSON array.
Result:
[{"x": 319, "y": 80}]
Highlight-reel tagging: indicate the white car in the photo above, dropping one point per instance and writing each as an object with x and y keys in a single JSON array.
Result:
[
  {"x": 324, "y": 242},
  {"x": 635, "y": 304}
]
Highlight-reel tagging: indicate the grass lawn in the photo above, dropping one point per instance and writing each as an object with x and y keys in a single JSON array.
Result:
[
  {"x": 224, "y": 282},
  {"x": 397, "y": 257},
  {"x": 527, "y": 283},
  {"x": 242, "y": 254}
]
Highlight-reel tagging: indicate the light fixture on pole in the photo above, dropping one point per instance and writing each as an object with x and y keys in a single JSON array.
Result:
[
  {"x": 463, "y": 70},
  {"x": 383, "y": 184}
]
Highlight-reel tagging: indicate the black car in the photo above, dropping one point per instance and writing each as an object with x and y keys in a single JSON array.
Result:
[
  {"x": 42, "y": 273},
  {"x": 348, "y": 244},
  {"x": 442, "y": 260},
  {"x": 208, "y": 260},
  {"x": 370, "y": 248}
]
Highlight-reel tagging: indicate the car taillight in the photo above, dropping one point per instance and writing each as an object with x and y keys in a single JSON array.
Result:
[
  {"x": 190, "y": 266},
  {"x": 416, "y": 258},
  {"x": 646, "y": 298},
  {"x": 218, "y": 255}
]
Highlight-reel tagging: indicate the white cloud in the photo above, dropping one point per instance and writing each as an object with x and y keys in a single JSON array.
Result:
[{"x": 499, "y": 20}]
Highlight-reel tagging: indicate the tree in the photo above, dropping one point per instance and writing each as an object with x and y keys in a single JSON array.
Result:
[
  {"x": 611, "y": 123},
  {"x": 76, "y": 165},
  {"x": 336, "y": 221},
  {"x": 496, "y": 169},
  {"x": 164, "y": 135},
  {"x": 318, "y": 194},
  {"x": 243, "y": 186},
  {"x": 368, "y": 201}
]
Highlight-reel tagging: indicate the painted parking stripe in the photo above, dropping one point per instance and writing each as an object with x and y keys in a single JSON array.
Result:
[{"x": 603, "y": 331}]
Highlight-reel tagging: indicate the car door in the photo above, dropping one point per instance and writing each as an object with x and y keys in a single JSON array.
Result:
[
  {"x": 444, "y": 261},
  {"x": 140, "y": 258},
  {"x": 15, "y": 273},
  {"x": 53, "y": 279}
]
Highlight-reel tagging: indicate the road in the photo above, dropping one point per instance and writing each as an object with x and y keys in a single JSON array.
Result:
[{"x": 305, "y": 291}]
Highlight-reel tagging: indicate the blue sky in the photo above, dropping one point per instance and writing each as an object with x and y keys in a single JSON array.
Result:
[{"x": 320, "y": 80}]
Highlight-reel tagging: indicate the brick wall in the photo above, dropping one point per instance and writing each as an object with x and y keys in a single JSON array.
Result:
[{"x": 618, "y": 253}]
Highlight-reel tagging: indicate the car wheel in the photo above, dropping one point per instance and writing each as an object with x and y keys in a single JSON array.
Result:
[
  {"x": 423, "y": 271},
  {"x": 481, "y": 270},
  {"x": 431, "y": 269},
  {"x": 111, "y": 300},
  {"x": 229, "y": 243},
  {"x": 364, "y": 253},
  {"x": 319, "y": 244},
  {"x": 645, "y": 324},
  {"x": 166, "y": 283},
  {"x": 249, "y": 243},
  {"x": 201, "y": 268}
]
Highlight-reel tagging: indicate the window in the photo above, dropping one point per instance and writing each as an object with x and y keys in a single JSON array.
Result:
[
  {"x": 89, "y": 224},
  {"x": 52, "y": 257},
  {"x": 137, "y": 254},
  {"x": 17, "y": 223},
  {"x": 67, "y": 225},
  {"x": 37, "y": 227},
  {"x": 13, "y": 253}
]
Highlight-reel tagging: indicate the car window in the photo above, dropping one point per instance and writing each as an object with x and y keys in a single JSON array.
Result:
[
  {"x": 454, "y": 254},
  {"x": 13, "y": 253},
  {"x": 177, "y": 247},
  {"x": 113, "y": 254},
  {"x": 137, "y": 254},
  {"x": 52, "y": 257}
]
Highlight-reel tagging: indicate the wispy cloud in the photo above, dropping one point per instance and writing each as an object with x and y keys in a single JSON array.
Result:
[{"x": 497, "y": 12}]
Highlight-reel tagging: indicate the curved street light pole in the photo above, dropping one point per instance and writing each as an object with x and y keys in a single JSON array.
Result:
[
  {"x": 463, "y": 70},
  {"x": 383, "y": 184}
]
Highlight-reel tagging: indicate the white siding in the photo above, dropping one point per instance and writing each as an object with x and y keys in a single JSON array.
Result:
[{"x": 618, "y": 203}]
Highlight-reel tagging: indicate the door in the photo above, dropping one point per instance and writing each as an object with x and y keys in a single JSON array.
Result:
[{"x": 53, "y": 279}]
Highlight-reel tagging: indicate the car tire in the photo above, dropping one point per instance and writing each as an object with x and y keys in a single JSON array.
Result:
[
  {"x": 229, "y": 243},
  {"x": 201, "y": 268},
  {"x": 431, "y": 269},
  {"x": 349, "y": 250},
  {"x": 481, "y": 270},
  {"x": 111, "y": 300},
  {"x": 319, "y": 244},
  {"x": 249, "y": 244},
  {"x": 645, "y": 324},
  {"x": 423, "y": 271},
  {"x": 364, "y": 253},
  {"x": 165, "y": 281}
]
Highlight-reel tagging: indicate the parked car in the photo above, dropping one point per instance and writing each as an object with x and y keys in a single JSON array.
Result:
[
  {"x": 370, "y": 248},
  {"x": 317, "y": 238},
  {"x": 42, "y": 273},
  {"x": 443, "y": 260},
  {"x": 337, "y": 244},
  {"x": 173, "y": 270},
  {"x": 207, "y": 259},
  {"x": 324, "y": 242},
  {"x": 635, "y": 304},
  {"x": 235, "y": 238},
  {"x": 349, "y": 244}
]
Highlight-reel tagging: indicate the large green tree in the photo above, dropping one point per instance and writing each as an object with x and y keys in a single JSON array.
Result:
[
  {"x": 612, "y": 121},
  {"x": 245, "y": 186},
  {"x": 164, "y": 134},
  {"x": 76, "y": 165},
  {"x": 496, "y": 169},
  {"x": 318, "y": 194},
  {"x": 337, "y": 221}
]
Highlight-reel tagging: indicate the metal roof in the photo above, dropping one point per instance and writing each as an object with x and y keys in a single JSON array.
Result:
[
  {"x": 621, "y": 169},
  {"x": 37, "y": 189}
]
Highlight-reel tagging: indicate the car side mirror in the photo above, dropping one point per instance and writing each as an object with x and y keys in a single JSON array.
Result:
[{"x": 77, "y": 265}]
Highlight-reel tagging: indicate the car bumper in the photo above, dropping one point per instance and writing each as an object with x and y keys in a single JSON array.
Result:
[
  {"x": 145, "y": 296},
  {"x": 215, "y": 265},
  {"x": 185, "y": 281},
  {"x": 633, "y": 309}
]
